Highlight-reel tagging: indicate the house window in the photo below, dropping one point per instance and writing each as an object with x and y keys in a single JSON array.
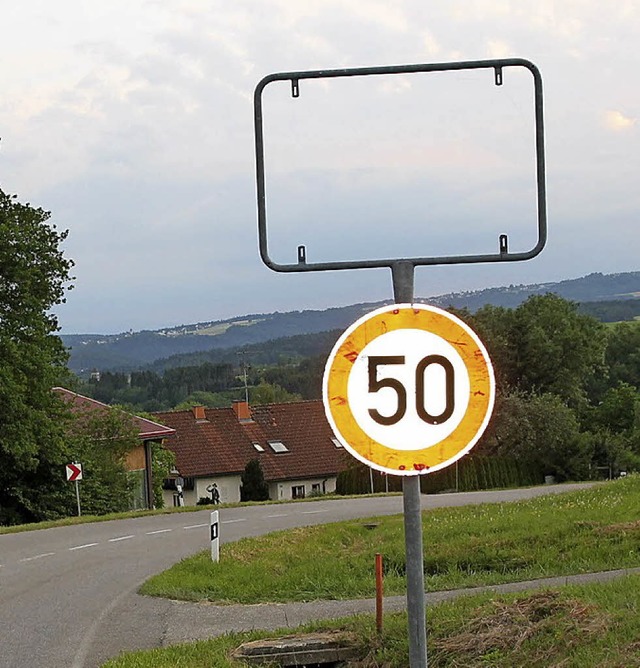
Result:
[
  {"x": 258, "y": 447},
  {"x": 278, "y": 446},
  {"x": 315, "y": 488},
  {"x": 170, "y": 484},
  {"x": 336, "y": 442},
  {"x": 297, "y": 492}
]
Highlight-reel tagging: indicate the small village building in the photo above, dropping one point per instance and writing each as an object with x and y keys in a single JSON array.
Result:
[
  {"x": 138, "y": 460},
  {"x": 293, "y": 442}
]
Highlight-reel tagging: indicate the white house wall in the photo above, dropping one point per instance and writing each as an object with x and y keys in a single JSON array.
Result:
[
  {"x": 283, "y": 491},
  {"x": 188, "y": 495},
  {"x": 228, "y": 487}
]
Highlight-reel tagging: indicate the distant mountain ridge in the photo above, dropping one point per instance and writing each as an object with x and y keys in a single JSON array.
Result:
[{"x": 131, "y": 350}]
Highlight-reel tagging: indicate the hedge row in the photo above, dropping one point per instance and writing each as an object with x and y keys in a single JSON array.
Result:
[{"x": 467, "y": 475}]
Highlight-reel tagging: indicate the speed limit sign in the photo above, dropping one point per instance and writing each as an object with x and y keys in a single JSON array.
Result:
[{"x": 408, "y": 389}]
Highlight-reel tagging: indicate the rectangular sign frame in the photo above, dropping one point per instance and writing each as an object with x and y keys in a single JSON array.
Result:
[{"x": 503, "y": 254}]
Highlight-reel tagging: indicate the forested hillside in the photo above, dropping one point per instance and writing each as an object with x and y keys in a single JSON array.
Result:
[
  {"x": 612, "y": 311},
  {"x": 133, "y": 350}
]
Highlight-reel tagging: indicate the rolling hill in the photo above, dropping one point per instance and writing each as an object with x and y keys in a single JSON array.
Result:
[{"x": 132, "y": 350}]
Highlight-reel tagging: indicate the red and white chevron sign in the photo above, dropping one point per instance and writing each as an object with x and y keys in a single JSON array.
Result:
[{"x": 74, "y": 472}]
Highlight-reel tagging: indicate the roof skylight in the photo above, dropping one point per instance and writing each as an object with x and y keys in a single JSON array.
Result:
[{"x": 278, "y": 446}]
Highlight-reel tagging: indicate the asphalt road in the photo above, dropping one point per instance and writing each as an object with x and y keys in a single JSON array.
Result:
[{"x": 68, "y": 595}]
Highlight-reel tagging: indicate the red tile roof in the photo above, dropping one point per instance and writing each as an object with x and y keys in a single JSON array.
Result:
[
  {"x": 147, "y": 429},
  {"x": 224, "y": 445}
]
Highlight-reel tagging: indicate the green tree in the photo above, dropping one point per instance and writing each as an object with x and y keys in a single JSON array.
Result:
[
  {"x": 100, "y": 441},
  {"x": 208, "y": 399},
  {"x": 615, "y": 427},
  {"x": 254, "y": 486},
  {"x": 623, "y": 354},
  {"x": 304, "y": 379},
  {"x": 34, "y": 275},
  {"x": 619, "y": 410},
  {"x": 494, "y": 325},
  {"x": 162, "y": 462},
  {"x": 557, "y": 349},
  {"x": 542, "y": 432},
  {"x": 266, "y": 393},
  {"x": 543, "y": 346}
]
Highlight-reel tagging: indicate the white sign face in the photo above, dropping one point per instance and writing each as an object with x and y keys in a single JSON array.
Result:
[
  {"x": 406, "y": 404},
  {"x": 408, "y": 389}
]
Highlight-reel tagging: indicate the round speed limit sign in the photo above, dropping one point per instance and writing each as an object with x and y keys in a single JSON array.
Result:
[{"x": 408, "y": 389}]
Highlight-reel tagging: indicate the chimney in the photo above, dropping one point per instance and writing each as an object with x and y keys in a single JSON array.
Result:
[
  {"x": 242, "y": 411},
  {"x": 198, "y": 413}
]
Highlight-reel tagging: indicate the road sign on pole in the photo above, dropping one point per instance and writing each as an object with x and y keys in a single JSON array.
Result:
[
  {"x": 74, "y": 472},
  {"x": 408, "y": 389}
]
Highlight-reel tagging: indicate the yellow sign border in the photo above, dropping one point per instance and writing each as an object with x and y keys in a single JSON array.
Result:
[{"x": 409, "y": 316}]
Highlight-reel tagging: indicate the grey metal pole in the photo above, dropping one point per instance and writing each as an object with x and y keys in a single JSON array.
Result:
[
  {"x": 78, "y": 497},
  {"x": 402, "y": 276}
]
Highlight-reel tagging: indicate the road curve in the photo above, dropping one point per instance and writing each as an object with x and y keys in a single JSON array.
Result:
[{"x": 68, "y": 595}]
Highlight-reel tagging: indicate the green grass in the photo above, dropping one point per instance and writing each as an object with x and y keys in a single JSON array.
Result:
[
  {"x": 577, "y": 532},
  {"x": 590, "y": 626}
]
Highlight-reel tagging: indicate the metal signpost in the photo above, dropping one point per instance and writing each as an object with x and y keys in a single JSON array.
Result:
[
  {"x": 408, "y": 389},
  {"x": 74, "y": 474}
]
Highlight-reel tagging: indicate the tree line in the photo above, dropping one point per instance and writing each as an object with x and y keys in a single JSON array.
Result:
[{"x": 567, "y": 400}]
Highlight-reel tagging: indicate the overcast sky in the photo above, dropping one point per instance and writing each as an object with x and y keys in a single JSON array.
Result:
[{"x": 132, "y": 121}]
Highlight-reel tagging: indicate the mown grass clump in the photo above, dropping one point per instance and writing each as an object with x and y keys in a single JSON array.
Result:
[{"x": 576, "y": 532}]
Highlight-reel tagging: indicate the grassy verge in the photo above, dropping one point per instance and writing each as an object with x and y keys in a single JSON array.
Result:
[
  {"x": 88, "y": 519},
  {"x": 576, "y": 532},
  {"x": 591, "y": 626}
]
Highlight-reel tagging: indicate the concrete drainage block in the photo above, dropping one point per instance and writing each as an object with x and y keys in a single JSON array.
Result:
[{"x": 325, "y": 650}]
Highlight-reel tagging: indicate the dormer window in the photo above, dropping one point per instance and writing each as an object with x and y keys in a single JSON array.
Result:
[{"x": 278, "y": 446}]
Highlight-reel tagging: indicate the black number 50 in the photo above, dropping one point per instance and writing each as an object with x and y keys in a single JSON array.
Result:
[{"x": 393, "y": 383}]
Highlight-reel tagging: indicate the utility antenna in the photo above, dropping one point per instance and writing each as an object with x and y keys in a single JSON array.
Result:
[{"x": 244, "y": 366}]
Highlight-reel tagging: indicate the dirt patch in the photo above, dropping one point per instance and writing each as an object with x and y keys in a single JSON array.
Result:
[
  {"x": 620, "y": 528},
  {"x": 546, "y": 623}
]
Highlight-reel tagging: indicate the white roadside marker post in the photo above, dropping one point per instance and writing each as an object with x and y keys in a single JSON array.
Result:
[{"x": 215, "y": 537}]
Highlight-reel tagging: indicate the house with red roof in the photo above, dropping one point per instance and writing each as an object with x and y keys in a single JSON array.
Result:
[
  {"x": 138, "y": 460},
  {"x": 293, "y": 442}
]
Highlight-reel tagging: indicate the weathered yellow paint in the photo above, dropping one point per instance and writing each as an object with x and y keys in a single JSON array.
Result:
[{"x": 480, "y": 382}]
